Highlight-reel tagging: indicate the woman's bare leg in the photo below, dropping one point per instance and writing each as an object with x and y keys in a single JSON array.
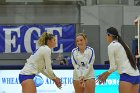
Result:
[
  {"x": 90, "y": 86},
  {"x": 125, "y": 87},
  {"x": 77, "y": 87},
  {"x": 28, "y": 86}
]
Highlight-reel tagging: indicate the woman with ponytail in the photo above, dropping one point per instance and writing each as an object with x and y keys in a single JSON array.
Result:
[
  {"x": 121, "y": 59},
  {"x": 39, "y": 62}
]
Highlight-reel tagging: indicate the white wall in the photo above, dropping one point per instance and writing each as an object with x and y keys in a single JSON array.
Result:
[
  {"x": 106, "y": 16},
  {"x": 90, "y": 15},
  {"x": 130, "y": 13},
  {"x": 26, "y": 14}
]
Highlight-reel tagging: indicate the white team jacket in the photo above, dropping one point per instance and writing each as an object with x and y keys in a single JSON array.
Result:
[
  {"x": 83, "y": 63},
  {"x": 38, "y": 62},
  {"x": 119, "y": 61}
]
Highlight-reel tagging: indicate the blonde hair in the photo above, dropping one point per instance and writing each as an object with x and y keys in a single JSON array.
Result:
[
  {"x": 83, "y": 35},
  {"x": 44, "y": 38}
]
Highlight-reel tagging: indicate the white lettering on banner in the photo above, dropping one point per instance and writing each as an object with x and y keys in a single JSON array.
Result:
[
  {"x": 11, "y": 41},
  {"x": 27, "y": 38},
  {"x": 59, "y": 29},
  {"x": 110, "y": 82}
]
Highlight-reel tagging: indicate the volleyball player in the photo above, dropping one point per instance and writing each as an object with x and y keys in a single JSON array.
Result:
[
  {"x": 82, "y": 59},
  {"x": 39, "y": 62},
  {"x": 121, "y": 59}
]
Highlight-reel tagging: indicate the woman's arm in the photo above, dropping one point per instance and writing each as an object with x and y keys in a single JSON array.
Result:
[
  {"x": 111, "y": 54},
  {"x": 75, "y": 65},
  {"x": 89, "y": 67},
  {"x": 47, "y": 70},
  {"x": 102, "y": 78}
]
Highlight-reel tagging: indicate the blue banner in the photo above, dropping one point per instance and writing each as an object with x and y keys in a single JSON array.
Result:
[{"x": 24, "y": 38}]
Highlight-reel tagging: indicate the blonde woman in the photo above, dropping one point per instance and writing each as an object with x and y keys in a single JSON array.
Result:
[
  {"x": 82, "y": 59},
  {"x": 39, "y": 62}
]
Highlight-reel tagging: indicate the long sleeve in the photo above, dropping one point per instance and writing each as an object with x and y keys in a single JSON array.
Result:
[
  {"x": 47, "y": 70},
  {"x": 89, "y": 67},
  {"x": 83, "y": 63},
  {"x": 75, "y": 65},
  {"x": 111, "y": 54}
]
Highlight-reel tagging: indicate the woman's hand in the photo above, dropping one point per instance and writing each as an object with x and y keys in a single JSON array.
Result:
[
  {"x": 58, "y": 82},
  {"x": 102, "y": 78},
  {"x": 82, "y": 82}
]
